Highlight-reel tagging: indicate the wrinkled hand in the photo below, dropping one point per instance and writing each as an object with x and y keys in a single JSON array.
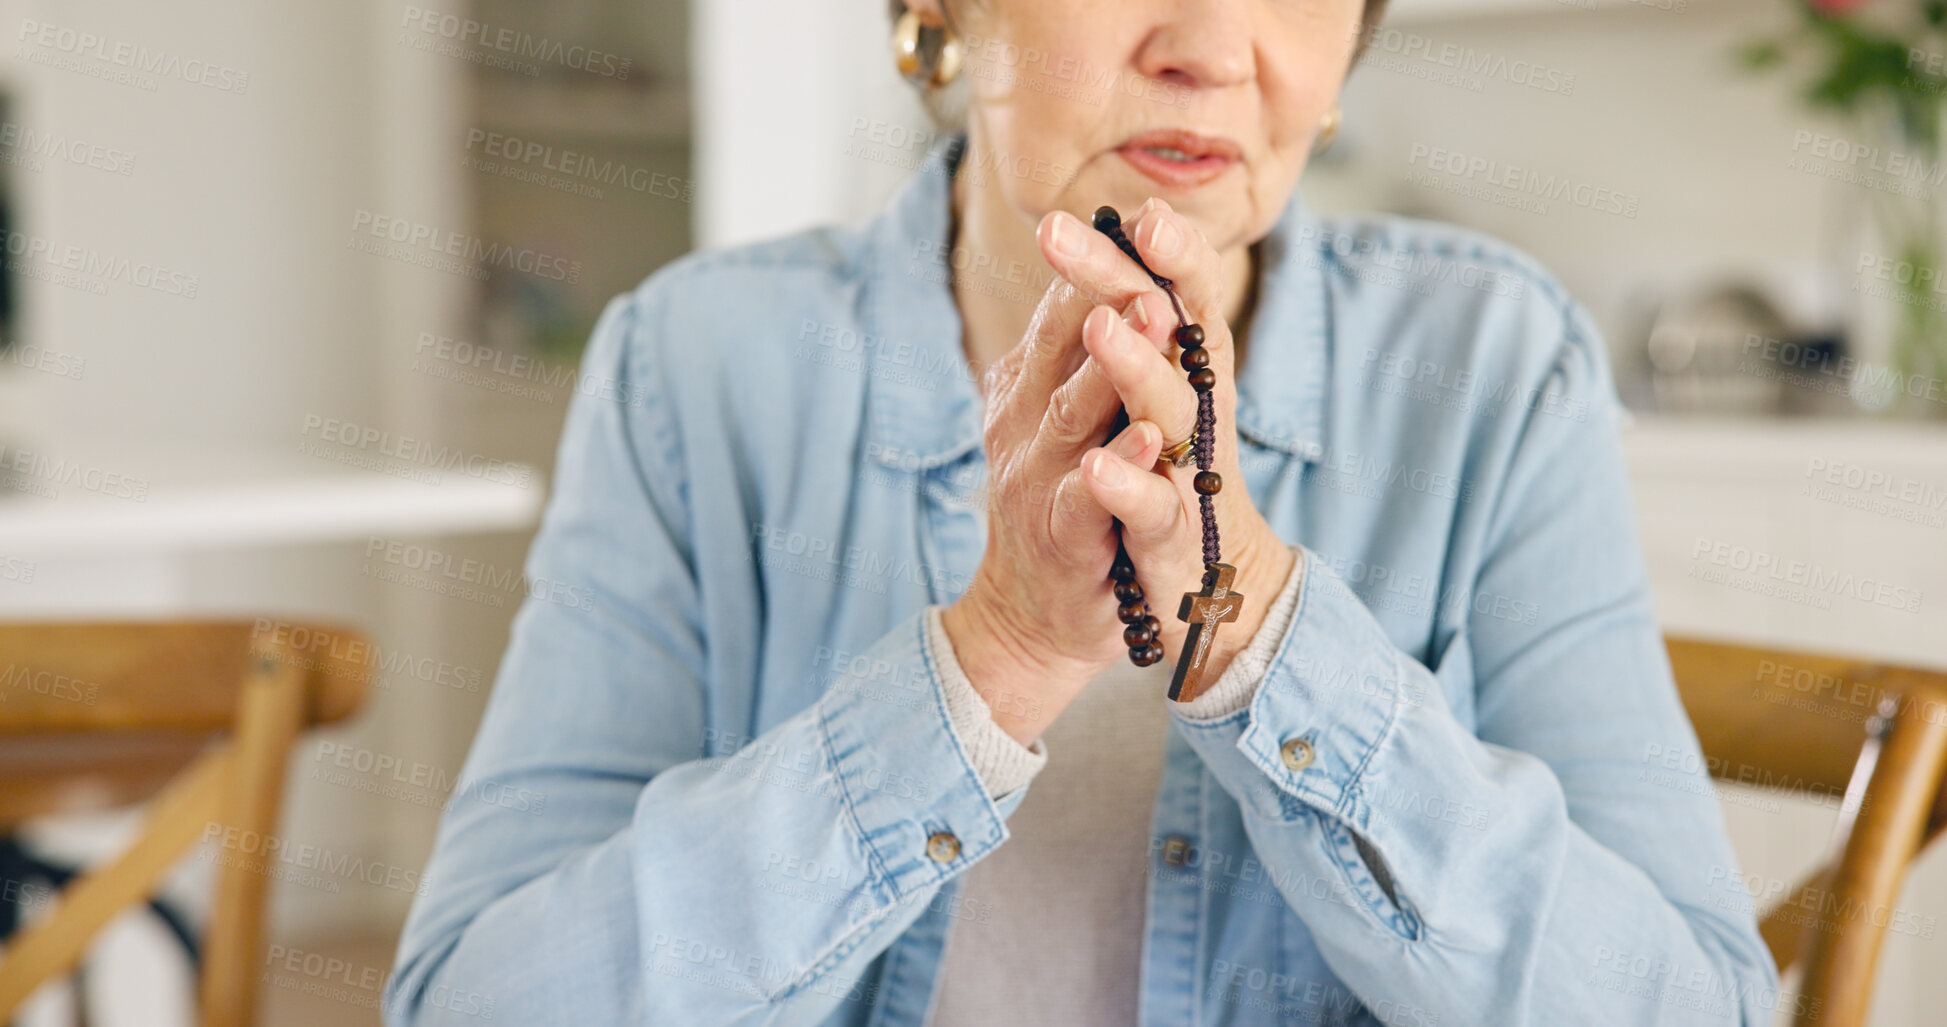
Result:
[{"x": 1040, "y": 619}]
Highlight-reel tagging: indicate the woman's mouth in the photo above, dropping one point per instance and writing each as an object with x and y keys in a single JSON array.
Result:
[{"x": 1177, "y": 159}]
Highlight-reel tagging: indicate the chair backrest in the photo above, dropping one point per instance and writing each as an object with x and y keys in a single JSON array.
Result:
[
  {"x": 199, "y": 715},
  {"x": 1798, "y": 721}
]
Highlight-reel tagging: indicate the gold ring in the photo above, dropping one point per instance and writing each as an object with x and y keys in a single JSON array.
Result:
[{"x": 1179, "y": 454}]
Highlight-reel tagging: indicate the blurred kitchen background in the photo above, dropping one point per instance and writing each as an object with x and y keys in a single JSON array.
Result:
[{"x": 202, "y": 306}]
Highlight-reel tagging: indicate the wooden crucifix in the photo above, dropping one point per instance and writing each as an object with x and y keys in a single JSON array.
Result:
[{"x": 1203, "y": 611}]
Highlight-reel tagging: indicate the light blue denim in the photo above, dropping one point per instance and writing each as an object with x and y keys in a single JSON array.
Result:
[{"x": 740, "y": 750}]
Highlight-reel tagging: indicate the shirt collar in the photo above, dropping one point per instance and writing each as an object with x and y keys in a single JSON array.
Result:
[{"x": 923, "y": 409}]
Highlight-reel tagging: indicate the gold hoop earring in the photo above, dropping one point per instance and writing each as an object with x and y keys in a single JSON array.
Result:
[
  {"x": 947, "y": 68},
  {"x": 911, "y": 54},
  {"x": 905, "y": 44},
  {"x": 1328, "y": 131}
]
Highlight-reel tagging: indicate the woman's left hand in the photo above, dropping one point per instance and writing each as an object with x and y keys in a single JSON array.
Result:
[{"x": 1162, "y": 527}]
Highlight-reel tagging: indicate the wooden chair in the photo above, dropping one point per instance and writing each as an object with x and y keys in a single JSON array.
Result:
[
  {"x": 201, "y": 717},
  {"x": 1798, "y": 721}
]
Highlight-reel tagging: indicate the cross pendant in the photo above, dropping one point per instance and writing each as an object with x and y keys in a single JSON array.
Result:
[{"x": 1203, "y": 610}]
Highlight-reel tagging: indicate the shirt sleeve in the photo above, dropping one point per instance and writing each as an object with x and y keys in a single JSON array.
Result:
[
  {"x": 641, "y": 880},
  {"x": 1532, "y": 868}
]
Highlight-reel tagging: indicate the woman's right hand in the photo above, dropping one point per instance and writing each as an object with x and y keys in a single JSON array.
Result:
[{"x": 1039, "y": 620}]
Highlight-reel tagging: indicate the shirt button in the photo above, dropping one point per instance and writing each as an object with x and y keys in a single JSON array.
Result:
[
  {"x": 943, "y": 847},
  {"x": 1297, "y": 753},
  {"x": 1176, "y": 851}
]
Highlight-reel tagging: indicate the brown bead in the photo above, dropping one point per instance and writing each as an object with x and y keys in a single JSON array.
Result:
[
  {"x": 1106, "y": 219},
  {"x": 1128, "y": 592},
  {"x": 1137, "y": 635},
  {"x": 1208, "y": 483},
  {"x": 1147, "y": 654},
  {"x": 1130, "y": 613},
  {"x": 1122, "y": 569},
  {"x": 1194, "y": 358},
  {"x": 1189, "y": 336},
  {"x": 1155, "y": 626},
  {"x": 1203, "y": 379}
]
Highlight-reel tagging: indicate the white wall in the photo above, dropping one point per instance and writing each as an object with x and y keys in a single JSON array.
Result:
[
  {"x": 780, "y": 91},
  {"x": 250, "y": 192}
]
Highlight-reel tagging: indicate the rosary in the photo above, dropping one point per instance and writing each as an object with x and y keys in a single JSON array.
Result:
[{"x": 1216, "y": 604}]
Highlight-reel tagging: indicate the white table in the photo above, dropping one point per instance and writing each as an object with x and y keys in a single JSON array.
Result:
[{"x": 84, "y": 554}]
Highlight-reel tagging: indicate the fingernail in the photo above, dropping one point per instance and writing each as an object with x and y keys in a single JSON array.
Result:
[
  {"x": 1164, "y": 239},
  {"x": 1131, "y": 442},
  {"x": 1144, "y": 209},
  {"x": 1138, "y": 317},
  {"x": 1119, "y": 342},
  {"x": 1067, "y": 242},
  {"x": 1109, "y": 472}
]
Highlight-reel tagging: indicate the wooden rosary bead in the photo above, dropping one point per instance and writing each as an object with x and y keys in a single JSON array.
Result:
[{"x": 1215, "y": 605}]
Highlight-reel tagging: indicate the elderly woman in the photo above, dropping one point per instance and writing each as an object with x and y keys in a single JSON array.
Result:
[{"x": 852, "y": 728}]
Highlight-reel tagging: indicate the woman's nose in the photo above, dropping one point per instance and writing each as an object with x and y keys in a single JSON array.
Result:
[{"x": 1204, "y": 44}]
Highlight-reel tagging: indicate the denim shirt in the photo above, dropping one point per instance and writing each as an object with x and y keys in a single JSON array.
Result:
[{"x": 1464, "y": 793}]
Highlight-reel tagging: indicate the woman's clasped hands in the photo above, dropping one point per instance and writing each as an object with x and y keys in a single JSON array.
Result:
[{"x": 1039, "y": 620}]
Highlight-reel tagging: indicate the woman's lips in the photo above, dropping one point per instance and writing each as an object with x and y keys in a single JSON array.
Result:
[{"x": 1179, "y": 160}]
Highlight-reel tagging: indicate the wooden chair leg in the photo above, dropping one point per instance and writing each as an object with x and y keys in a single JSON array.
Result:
[
  {"x": 1855, "y": 907},
  {"x": 53, "y": 946},
  {"x": 1784, "y": 926},
  {"x": 270, "y": 712}
]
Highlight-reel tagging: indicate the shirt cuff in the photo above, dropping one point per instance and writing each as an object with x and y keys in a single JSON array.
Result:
[
  {"x": 1238, "y": 684},
  {"x": 1001, "y": 763}
]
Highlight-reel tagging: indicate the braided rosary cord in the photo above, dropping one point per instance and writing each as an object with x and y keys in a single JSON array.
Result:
[{"x": 1143, "y": 632}]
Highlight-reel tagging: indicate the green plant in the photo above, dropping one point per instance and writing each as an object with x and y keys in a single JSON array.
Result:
[
  {"x": 1883, "y": 65},
  {"x": 1865, "y": 50}
]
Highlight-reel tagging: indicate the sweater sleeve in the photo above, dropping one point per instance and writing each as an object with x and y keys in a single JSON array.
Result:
[{"x": 1002, "y": 763}]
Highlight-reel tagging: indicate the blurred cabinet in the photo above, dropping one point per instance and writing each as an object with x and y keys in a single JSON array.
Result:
[{"x": 577, "y": 145}]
